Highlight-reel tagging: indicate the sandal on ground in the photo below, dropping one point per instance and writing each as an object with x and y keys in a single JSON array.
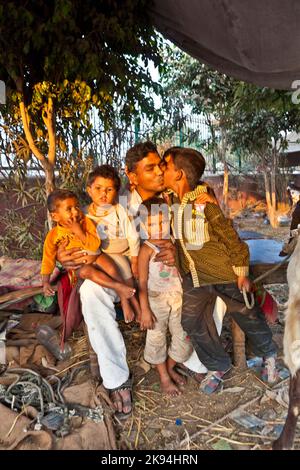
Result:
[
  {"x": 185, "y": 371},
  {"x": 114, "y": 393},
  {"x": 213, "y": 382}
]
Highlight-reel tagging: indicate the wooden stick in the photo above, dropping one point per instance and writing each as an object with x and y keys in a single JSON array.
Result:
[
  {"x": 138, "y": 432},
  {"x": 14, "y": 423},
  {"x": 218, "y": 428},
  {"x": 73, "y": 365},
  {"x": 232, "y": 441},
  {"x": 130, "y": 428}
]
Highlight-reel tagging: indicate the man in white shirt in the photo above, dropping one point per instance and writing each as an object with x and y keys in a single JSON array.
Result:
[
  {"x": 145, "y": 174},
  {"x": 98, "y": 302}
]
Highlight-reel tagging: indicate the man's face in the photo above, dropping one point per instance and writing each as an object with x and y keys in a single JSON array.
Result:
[
  {"x": 170, "y": 172},
  {"x": 148, "y": 173}
]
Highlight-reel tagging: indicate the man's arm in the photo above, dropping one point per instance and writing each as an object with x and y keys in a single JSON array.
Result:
[
  {"x": 237, "y": 249},
  {"x": 73, "y": 257}
]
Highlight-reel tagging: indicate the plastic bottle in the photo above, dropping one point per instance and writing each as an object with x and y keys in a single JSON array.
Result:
[{"x": 50, "y": 340}]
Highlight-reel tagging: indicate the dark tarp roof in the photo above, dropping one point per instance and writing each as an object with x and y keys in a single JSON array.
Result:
[{"x": 253, "y": 40}]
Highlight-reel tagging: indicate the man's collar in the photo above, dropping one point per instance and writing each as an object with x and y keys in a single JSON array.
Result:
[
  {"x": 135, "y": 196},
  {"x": 192, "y": 195}
]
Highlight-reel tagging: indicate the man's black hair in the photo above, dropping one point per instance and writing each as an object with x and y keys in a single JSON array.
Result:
[
  {"x": 189, "y": 160},
  {"x": 136, "y": 153},
  {"x": 107, "y": 172},
  {"x": 58, "y": 195}
]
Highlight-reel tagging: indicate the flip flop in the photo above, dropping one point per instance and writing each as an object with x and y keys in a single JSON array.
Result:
[
  {"x": 213, "y": 382},
  {"x": 121, "y": 415}
]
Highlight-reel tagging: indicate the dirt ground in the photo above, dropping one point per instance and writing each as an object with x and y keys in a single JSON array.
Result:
[{"x": 198, "y": 421}]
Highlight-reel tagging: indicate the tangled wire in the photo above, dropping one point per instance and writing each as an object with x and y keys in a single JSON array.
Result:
[{"x": 45, "y": 395}]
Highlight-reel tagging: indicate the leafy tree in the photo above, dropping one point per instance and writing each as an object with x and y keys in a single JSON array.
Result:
[
  {"x": 206, "y": 92},
  {"x": 241, "y": 117},
  {"x": 60, "y": 58},
  {"x": 260, "y": 122}
]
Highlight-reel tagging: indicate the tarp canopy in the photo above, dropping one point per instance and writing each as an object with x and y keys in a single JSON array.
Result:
[{"x": 253, "y": 40}]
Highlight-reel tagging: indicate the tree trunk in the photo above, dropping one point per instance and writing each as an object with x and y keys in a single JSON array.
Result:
[
  {"x": 269, "y": 200},
  {"x": 49, "y": 186},
  {"x": 274, "y": 221},
  {"x": 48, "y": 164},
  {"x": 49, "y": 178},
  {"x": 222, "y": 154},
  {"x": 225, "y": 189}
]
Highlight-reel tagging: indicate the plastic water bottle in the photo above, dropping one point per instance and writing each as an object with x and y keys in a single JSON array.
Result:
[{"x": 50, "y": 340}]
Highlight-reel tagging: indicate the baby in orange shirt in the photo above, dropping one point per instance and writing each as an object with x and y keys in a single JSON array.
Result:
[{"x": 80, "y": 231}]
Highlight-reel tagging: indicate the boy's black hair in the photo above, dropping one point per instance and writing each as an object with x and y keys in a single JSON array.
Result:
[
  {"x": 139, "y": 151},
  {"x": 57, "y": 196},
  {"x": 189, "y": 160},
  {"x": 146, "y": 207},
  {"x": 107, "y": 172}
]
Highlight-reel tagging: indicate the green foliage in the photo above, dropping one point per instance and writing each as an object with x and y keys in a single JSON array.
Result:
[
  {"x": 192, "y": 87},
  {"x": 80, "y": 50},
  {"x": 22, "y": 223},
  {"x": 250, "y": 119},
  {"x": 19, "y": 235},
  {"x": 260, "y": 122}
]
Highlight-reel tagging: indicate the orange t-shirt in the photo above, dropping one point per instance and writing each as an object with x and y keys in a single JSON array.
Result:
[{"x": 59, "y": 234}]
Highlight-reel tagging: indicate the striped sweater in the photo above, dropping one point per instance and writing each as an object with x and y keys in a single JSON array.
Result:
[{"x": 207, "y": 244}]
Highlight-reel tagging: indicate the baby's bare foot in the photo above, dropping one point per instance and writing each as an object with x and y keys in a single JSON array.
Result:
[
  {"x": 124, "y": 291},
  {"x": 178, "y": 379},
  {"x": 168, "y": 387},
  {"x": 127, "y": 310}
]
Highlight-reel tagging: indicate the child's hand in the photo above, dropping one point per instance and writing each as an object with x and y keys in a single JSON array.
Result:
[
  {"x": 147, "y": 320},
  {"x": 134, "y": 267},
  {"x": 74, "y": 226},
  {"x": 48, "y": 291}
]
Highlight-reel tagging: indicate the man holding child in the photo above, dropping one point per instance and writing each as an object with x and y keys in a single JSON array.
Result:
[{"x": 203, "y": 279}]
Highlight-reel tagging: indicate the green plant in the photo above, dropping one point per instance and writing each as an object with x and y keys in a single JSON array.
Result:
[{"x": 20, "y": 235}]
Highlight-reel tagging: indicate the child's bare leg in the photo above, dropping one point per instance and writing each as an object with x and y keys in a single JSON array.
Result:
[
  {"x": 178, "y": 379},
  {"x": 167, "y": 384},
  {"x": 107, "y": 264},
  {"x": 93, "y": 274},
  {"x": 134, "y": 301}
]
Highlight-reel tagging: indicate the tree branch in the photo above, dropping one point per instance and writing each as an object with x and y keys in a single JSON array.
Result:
[
  {"x": 51, "y": 132},
  {"x": 28, "y": 134}
]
